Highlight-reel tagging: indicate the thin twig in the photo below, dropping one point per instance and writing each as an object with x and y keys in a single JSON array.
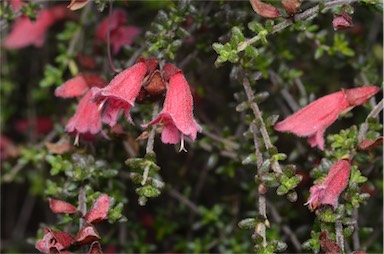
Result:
[
  {"x": 151, "y": 137},
  {"x": 82, "y": 205},
  {"x": 339, "y": 235},
  {"x": 261, "y": 228},
  {"x": 175, "y": 194},
  {"x": 306, "y": 15},
  {"x": 111, "y": 64},
  {"x": 256, "y": 111},
  {"x": 373, "y": 114},
  {"x": 355, "y": 236},
  {"x": 24, "y": 216},
  {"x": 287, "y": 230},
  {"x": 228, "y": 143}
]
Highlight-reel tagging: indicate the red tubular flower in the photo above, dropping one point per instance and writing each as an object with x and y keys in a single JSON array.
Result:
[
  {"x": 73, "y": 87},
  {"x": 177, "y": 114},
  {"x": 54, "y": 240},
  {"x": 25, "y": 32},
  {"x": 120, "y": 93},
  {"x": 328, "y": 192},
  {"x": 120, "y": 35},
  {"x": 87, "y": 119},
  {"x": 312, "y": 120}
]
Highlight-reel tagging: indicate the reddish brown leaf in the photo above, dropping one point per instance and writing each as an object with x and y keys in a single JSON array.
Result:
[
  {"x": 87, "y": 235},
  {"x": 95, "y": 248},
  {"x": 369, "y": 144},
  {"x": 291, "y": 6},
  {"x": 265, "y": 10},
  {"x": 65, "y": 239},
  {"x": 151, "y": 64},
  {"x": 99, "y": 210},
  {"x": 155, "y": 85},
  {"x": 327, "y": 245},
  {"x": 342, "y": 21},
  {"x": 59, "y": 206},
  {"x": 58, "y": 148},
  {"x": 54, "y": 241}
]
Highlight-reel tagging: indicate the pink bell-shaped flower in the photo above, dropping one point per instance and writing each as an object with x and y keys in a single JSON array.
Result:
[
  {"x": 87, "y": 119},
  {"x": 120, "y": 93},
  {"x": 312, "y": 120},
  {"x": 177, "y": 114},
  {"x": 328, "y": 192}
]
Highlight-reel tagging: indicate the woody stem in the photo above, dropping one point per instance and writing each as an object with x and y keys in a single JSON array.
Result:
[
  {"x": 339, "y": 235},
  {"x": 82, "y": 205},
  {"x": 364, "y": 126},
  {"x": 151, "y": 137},
  {"x": 257, "y": 113},
  {"x": 260, "y": 228},
  {"x": 306, "y": 15}
]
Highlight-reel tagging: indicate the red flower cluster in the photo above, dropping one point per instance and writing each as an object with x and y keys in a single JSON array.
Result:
[
  {"x": 144, "y": 78},
  {"x": 311, "y": 121},
  {"x": 59, "y": 242}
]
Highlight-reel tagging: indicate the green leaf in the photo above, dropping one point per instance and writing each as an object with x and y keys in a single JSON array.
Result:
[
  {"x": 356, "y": 176},
  {"x": 282, "y": 190},
  {"x": 255, "y": 27},
  {"x": 251, "y": 51},
  {"x": 248, "y": 223}
]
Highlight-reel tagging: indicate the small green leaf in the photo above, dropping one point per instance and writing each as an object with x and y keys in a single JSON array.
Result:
[
  {"x": 282, "y": 190},
  {"x": 255, "y": 26},
  {"x": 248, "y": 223}
]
